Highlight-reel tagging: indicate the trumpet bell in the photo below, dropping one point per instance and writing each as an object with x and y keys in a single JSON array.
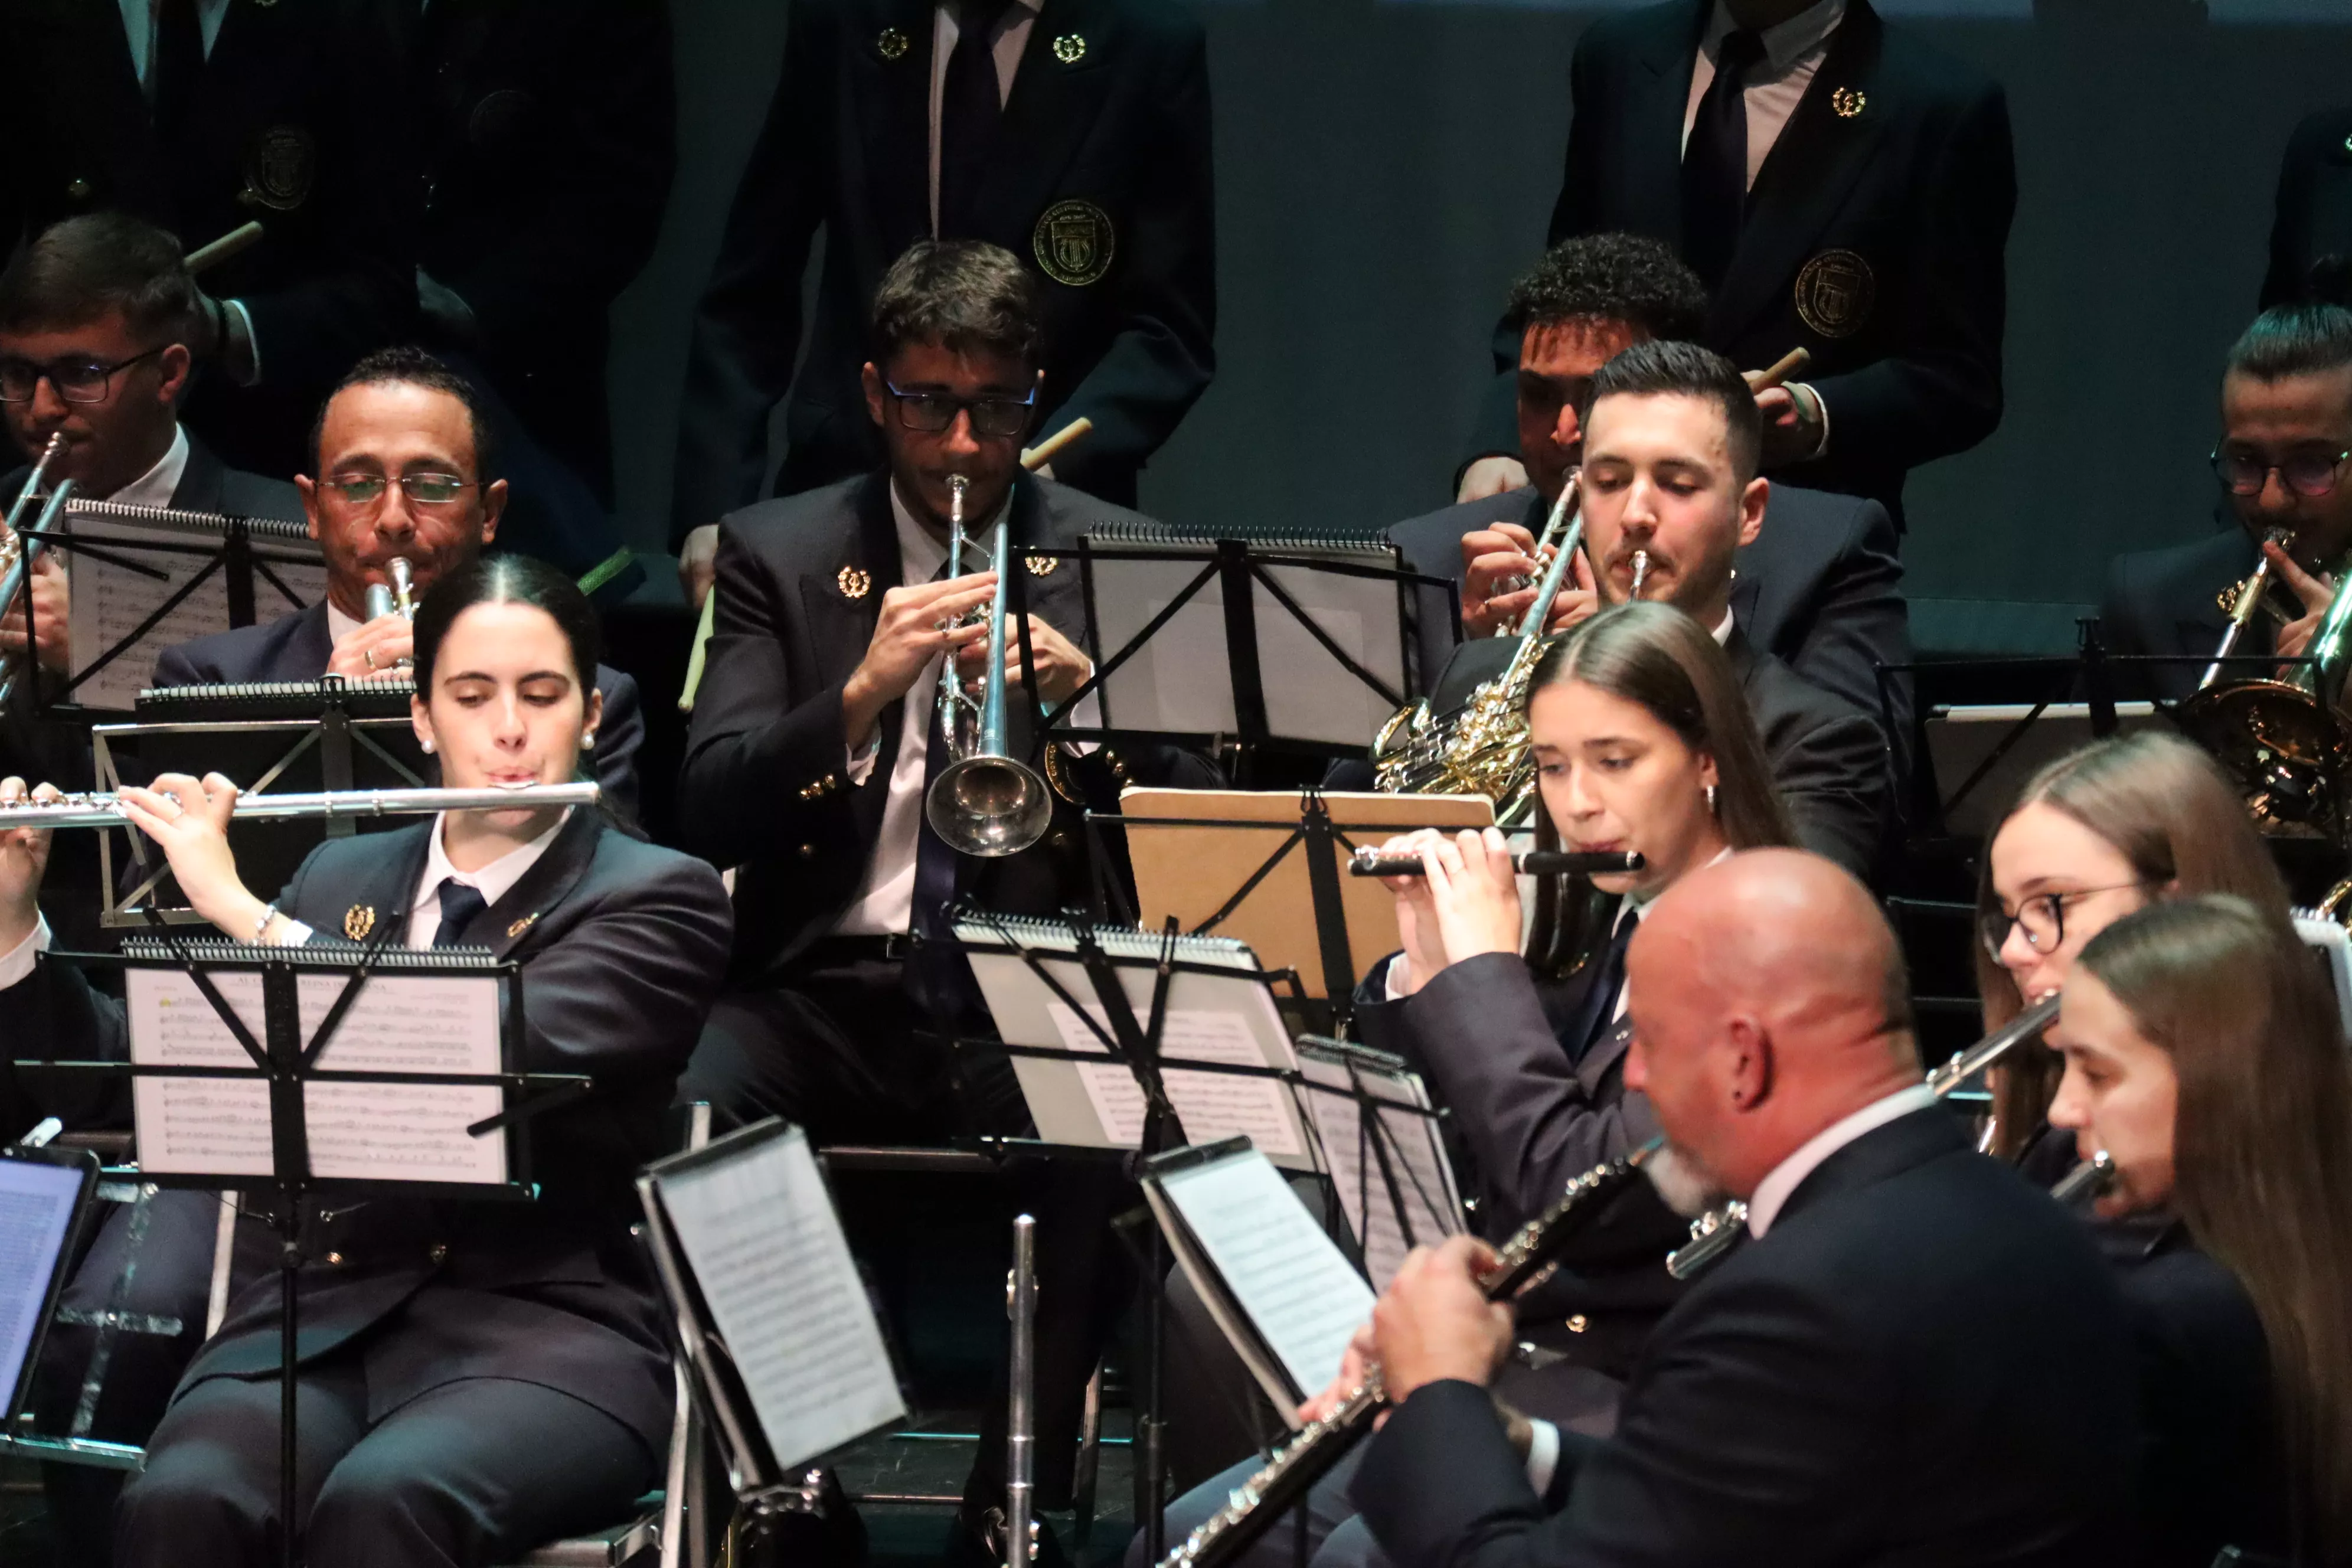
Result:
[
  {"x": 2283, "y": 748},
  {"x": 989, "y": 806}
]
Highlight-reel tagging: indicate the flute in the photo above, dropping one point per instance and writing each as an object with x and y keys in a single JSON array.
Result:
[
  {"x": 1534, "y": 863},
  {"x": 104, "y": 809}
]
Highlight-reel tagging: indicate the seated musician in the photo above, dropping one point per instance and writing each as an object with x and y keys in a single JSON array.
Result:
[
  {"x": 1671, "y": 436},
  {"x": 1914, "y": 1356},
  {"x": 814, "y": 743},
  {"x": 403, "y": 452},
  {"x": 2094, "y": 836},
  {"x": 1641, "y": 743},
  {"x": 2282, "y": 460},
  {"x": 1821, "y": 587},
  {"x": 2204, "y": 1054},
  {"x": 96, "y": 316},
  {"x": 476, "y": 1379}
]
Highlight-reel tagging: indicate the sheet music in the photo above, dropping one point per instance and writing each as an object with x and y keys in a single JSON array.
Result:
[
  {"x": 1304, "y": 1297},
  {"x": 1423, "y": 1180},
  {"x": 376, "y": 1131},
  {"x": 109, "y": 601},
  {"x": 37, "y": 1207},
  {"x": 766, "y": 1249},
  {"x": 1211, "y": 1105}
]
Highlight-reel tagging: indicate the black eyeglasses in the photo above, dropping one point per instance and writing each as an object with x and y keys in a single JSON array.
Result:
[
  {"x": 2042, "y": 918},
  {"x": 2304, "y": 473},
  {"x": 994, "y": 417},
  {"x": 77, "y": 380},
  {"x": 425, "y": 490}
]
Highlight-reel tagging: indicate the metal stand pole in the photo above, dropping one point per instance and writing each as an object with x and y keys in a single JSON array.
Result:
[
  {"x": 289, "y": 1263},
  {"x": 1153, "y": 1462},
  {"x": 1021, "y": 1423}
]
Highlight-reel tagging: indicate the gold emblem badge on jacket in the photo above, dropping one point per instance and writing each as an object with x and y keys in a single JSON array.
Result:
[
  {"x": 1074, "y": 243},
  {"x": 1835, "y": 292}
]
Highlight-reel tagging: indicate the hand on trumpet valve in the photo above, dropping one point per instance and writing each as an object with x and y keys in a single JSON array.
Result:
[
  {"x": 24, "y": 855},
  {"x": 1498, "y": 582},
  {"x": 51, "y": 606},
  {"x": 2314, "y": 591},
  {"x": 1434, "y": 1322},
  {"x": 1061, "y": 668},
  {"x": 382, "y": 649},
  {"x": 916, "y": 626}
]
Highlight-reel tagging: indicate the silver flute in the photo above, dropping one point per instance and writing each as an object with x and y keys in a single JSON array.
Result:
[
  {"x": 108, "y": 810},
  {"x": 1712, "y": 1232}
]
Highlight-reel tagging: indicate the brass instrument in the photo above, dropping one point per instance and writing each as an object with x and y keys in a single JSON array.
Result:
[
  {"x": 1521, "y": 1264},
  {"x": 2243, "y": 601},
  {"x": 17, "y": 554},
  {"x": 382, "y": 601},
  {"x": 2281, "y": 738},
  {"x": 986, "y": 802},
  {"x": 105, "y": 809},
  {"x": 1481, "y": 748},
  {"x": 1712, "y": 1232}
]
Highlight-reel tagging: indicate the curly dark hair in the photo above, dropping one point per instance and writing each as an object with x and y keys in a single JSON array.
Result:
[{"x": 1611, "y": 277}]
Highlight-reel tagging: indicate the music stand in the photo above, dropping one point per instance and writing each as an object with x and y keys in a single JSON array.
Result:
[
  {"x": 274, "y": 1011},
  {"x": 48, "y": 1193},
  {"x": 147, "y": 578},
  {"x": 1378, "y": 1138}
]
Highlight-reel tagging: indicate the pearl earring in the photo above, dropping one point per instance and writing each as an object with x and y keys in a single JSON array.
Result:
[{"x": 428, "y": 747}]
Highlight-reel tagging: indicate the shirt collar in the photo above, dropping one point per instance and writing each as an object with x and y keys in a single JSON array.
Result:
[
  {"x": 1773, "y": 1191},
  {"x": 920, "y": 556},
  {"x": 1785, "y": 43},
  {"x": 493, "y": 880},
  {"x": 338, "y": 626},
  {"x": 159, "y": 484}
]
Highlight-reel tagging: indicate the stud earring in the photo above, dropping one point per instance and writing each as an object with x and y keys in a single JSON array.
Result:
[{"x": 428, "y": 747}]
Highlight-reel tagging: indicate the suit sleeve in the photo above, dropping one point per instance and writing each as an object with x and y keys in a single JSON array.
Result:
[
  {"x": 1939, "y": 391},
  {"x": 1749, "y": 1426},
  {"x": 1479, "y": 1029},
  {"x": 1163, "y": 354},
  {"x": 1860, "y": 622},
  {"x": 619, "y": 736},
  {"x": 1831, "y": 775},
  {"x": 55, "y": 1014},
  {"x": 601, "y": 204},
  {"x": 747, "y": 330},
  {"x": 756, "y": 762},
  {"x": 364, "y": 293}
]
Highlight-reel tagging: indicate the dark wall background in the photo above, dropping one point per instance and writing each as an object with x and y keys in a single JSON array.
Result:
[{"x": 1385, "y": 166}]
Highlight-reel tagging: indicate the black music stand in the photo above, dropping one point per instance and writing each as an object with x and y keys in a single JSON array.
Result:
[
  {"x": 221, "y": 544},
  {"x": 288, "y": 1063},
  {"x": 1380, "y": 1089}
]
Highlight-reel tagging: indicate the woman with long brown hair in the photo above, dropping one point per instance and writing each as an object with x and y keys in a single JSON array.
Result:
[
  {"x": 2095, "y": 836},
  {"x": 2205, "y": 1055}
]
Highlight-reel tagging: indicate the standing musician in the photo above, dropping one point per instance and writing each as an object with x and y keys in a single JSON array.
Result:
[
  {"x": 1641, "y": 743},
  {"x": 2206, "y": 1057},
  {"x": 1838, "y": 184},
  {"x": 2311, "y": 221},
  {"x": 813, "y": 745},
  {"x": 1671, "y": 437},
  {"x": 2283, "y": 462},
  {"x": 2095, "y": 836},
  {"x": 1072, "y": 133},
  {"x": 1821, "y": 587},
  {"x": 1914, "y": 1356},
  {"x": 475, "y": 1380},
  {"x": 403, "y": 459}
]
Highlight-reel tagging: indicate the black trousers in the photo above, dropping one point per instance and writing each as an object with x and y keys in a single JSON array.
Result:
[
  {"x": 474, "y": 1472},
  {"x": 837, "y": 1047}
]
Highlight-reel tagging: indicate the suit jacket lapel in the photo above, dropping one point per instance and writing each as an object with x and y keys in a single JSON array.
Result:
[
  {"x": 1053, "y": 105},
  {"x": 1657, "y": 95},
  {"x": 1804, "y": 179},
  {"x": 312, "y": 643},
  {"x": 382, "y": 893},
  {"x": 894, "y": 111},
  {"x": 203, "y": 483},
  {"x": 511, "y": 921}
]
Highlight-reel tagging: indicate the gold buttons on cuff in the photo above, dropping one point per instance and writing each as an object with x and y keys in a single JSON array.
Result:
[
  {"x": 1577, "y": 1324},
  {"x": 440, "y": 1252},
  {"x": 334, "y": 1261}
]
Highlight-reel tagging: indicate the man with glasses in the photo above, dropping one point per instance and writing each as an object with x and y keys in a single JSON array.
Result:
[
  {"x": 400, "y": 450},
  {"x": 810, "y": 760},
  {"x": 2281, "y": 466}
]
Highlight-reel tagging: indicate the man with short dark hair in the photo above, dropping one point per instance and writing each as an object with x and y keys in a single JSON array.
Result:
[
  {"x": 1902, "y": 1307},
  {"x": 402, "y": 464},
  {"x": 814, "y": 747},
  {"x": 2285, "y": 465},
  {"x": 1821, "y": 587}
]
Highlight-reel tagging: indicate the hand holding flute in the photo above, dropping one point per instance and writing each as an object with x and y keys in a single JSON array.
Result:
[{"x": 1464, "y": 903}]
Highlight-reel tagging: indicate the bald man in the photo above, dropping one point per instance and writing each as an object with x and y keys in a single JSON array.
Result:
[{"x": 1914, "y": 1358}]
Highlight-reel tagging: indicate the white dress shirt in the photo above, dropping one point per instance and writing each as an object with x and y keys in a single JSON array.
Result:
[
  {"x": 138, "y": 19},
  {"x": 159, "y": 484},
  {"x": 1772, "y": 1193},
  {"x": 1793, "y": 51},
  {"x": 1011, "y": 31}
]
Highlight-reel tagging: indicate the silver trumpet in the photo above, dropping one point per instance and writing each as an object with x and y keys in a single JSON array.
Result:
[
  {"x": 382, "y": 601},
  {"x": 105, "y": 809},
  {"x": 986, "y": 802},
  {"x": 17, "y": 553},
  {"x": 1712, "y": 1232}
]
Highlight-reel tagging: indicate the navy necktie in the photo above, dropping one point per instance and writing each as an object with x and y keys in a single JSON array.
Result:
[
  {"x": 177, "y": 65},
  {"x": 970, "y": 105},
  {"x": 1715, "y": 161},
  {"x": 459, "y": 905},
  {"x": 1598, "y": 1014}
]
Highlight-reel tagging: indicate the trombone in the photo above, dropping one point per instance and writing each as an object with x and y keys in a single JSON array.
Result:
[{"x": 985, "y": 802}]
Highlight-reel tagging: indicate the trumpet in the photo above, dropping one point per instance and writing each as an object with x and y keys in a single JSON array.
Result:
[
  {"x": 986, "y": 802},
  {"x": 2242, "y": 611},
  {"x": 18, "y": 552},
  {"x": 1481, "y": 748},
  {"x": 382, "y": 601},
  {"x": 1712, "y": 1232},
  {"x": 1369, "y": 862},
  {"x": 107, "y": 809},
  {"x": 1522, "y": 1263}
]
